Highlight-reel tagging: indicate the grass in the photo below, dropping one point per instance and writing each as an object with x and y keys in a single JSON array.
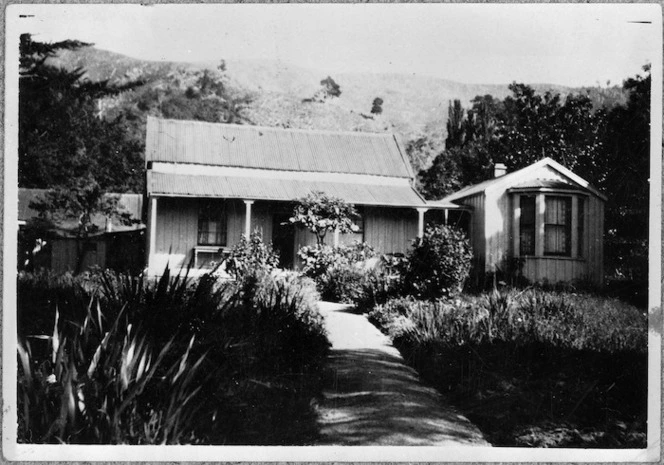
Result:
[
  {"x": 532, "y": 367},
  {"x": 112, "y": 359}
]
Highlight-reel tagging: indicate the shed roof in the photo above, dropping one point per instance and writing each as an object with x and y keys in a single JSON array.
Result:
[
  {"x": 217, "y": 144},
  {"x": 131, "y": 203},
  {"x": 519, "y": 179},
  {"x": 169, "y": 184}
]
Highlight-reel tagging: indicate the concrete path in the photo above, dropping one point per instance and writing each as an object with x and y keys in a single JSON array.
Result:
[{"x": 372, "y": 398}]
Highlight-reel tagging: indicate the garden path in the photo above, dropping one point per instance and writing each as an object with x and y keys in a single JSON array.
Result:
[{"x": 371, "y": 397}]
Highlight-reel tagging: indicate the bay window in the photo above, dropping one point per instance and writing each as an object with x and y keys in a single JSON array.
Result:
[{"x": 549, "y": 224}]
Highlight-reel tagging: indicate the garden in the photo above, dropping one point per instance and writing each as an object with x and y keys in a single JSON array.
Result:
[
  {"x": 530, "y": 365},
  {"x": 110, "y": 358}
]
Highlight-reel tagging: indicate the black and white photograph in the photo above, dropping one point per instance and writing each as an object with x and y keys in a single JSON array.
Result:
[{"x": 332, "y": 232}]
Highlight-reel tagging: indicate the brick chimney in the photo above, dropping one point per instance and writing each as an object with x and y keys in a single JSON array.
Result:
[{"x": 499, "y": 170}]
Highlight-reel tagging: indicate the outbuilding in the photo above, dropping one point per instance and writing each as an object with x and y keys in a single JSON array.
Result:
[
  {"x": 112, "y": 245},
  {"x": 542, "y": 222}
]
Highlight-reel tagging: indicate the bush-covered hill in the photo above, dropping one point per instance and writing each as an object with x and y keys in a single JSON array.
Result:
[{"x": 412, "y": 105}]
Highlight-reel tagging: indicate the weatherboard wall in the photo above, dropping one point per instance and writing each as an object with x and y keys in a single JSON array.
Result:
[
  {"x": 588, "y": 267},
  {"x": 477, "y": 230},
  {"x": 388, "y": 230},
  {"x": 495, "y": 227}
]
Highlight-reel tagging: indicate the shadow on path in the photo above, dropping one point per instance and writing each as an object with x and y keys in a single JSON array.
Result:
[{"x": 372, "y": 398}]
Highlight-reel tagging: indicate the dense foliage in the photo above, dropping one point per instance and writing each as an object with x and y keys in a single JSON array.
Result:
[
  {"x": 62, "y": 136},
  {"x": 107, "y": 359},
  {"x": 534, "y": 367},
  {"x": 438, "y": 263},
  {"x": 607, "y": 145},
  {"x": 339, "y": 272},
  {"x": 558, "y": 319}
]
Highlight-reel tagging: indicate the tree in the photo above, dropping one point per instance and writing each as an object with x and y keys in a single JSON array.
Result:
[
  {"x": 627, "y": 162},
  {"x": 456, "y": 131},
  {"x": 377, "y": 106},
  {"x": 61, "y": 136},
  {"x": 321, "y": 213},
  {"x": 330, "y": 87},
  {"x": 481, "y": 121},
  {"x": 201, "y": 95},
  {"x": 66, "y": 146},
  {"x": 466, "y": 158},
  {"x": 80, "y": 202},
  {"x": 533, "y": 126}
]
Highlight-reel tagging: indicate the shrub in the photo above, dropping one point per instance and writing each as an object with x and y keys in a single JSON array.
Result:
[
  {"x": 338, "y": 271},
  {"x": 287, "y": 322},
  {"x": 251, "y": 255},
  {"x": 318, "y": 260},
  {"x": 344, "y": 284},
  {"x": 439, "y": 263}
]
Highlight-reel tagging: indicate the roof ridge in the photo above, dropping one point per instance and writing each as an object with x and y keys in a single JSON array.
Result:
[{"x": 275, "y": 128}]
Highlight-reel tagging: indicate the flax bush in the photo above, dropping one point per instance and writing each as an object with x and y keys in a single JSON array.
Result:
[
  {"x": 558, "y": 319},
  {"x": 170, "y": 361}
]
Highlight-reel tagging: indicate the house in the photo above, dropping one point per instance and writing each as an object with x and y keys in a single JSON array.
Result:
[
  {"x": 543, "y": 220},
  {"x": 113, "y": 245},
  {"x": 208, "y": 184}
]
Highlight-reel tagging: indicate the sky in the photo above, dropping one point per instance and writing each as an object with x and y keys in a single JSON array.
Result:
[{"x": 572, "y": 44}]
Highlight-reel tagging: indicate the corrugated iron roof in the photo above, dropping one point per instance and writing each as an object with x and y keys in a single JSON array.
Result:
[
  {"x": 442, "y": 204},
  {"x": 279, "y": 189},
  {"x": 177, "y": 141},
  {"x": 130, "y": 203}
]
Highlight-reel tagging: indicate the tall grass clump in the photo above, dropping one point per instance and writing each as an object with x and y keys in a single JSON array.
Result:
[
  {"x": 171, "y": 361},
  {"x": 557, "y": 319},
  {"x": 532, "y": 367}
]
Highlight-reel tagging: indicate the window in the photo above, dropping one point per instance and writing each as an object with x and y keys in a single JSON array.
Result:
[
  {"x": 558, "y": 226},
  {"x": 359, "y": 222},
  {"x": 527, "y": 225},
  {"x": 212, "y": 223}
]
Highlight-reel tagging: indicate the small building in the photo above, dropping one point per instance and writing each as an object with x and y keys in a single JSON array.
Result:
[
  {"x": 543, "y": 222},
  {"x": 113, "y": 245},
  {"x": 208, "y": 184}
]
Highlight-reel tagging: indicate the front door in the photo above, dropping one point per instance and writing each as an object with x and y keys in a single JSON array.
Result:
[{"x": 283, "y": 239}]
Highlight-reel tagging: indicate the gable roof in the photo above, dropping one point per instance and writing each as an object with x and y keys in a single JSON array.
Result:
[
  {"x": 515, "y": 179},
  {"x": 195, "y": 142}
]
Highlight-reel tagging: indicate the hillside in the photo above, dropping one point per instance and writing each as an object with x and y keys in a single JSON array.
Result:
[{"x": 414, "y": 105}]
